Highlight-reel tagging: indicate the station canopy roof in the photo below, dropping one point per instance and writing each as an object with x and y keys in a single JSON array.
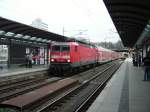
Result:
[
  {"x": 15, "y": 30},
  {"x": 131, "y": 19}
]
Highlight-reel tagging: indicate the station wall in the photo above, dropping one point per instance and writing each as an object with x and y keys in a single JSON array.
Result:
[{"x": 17, "y": 54}]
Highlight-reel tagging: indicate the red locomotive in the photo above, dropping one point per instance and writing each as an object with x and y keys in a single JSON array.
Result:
[{"x": 76, "y": 54}]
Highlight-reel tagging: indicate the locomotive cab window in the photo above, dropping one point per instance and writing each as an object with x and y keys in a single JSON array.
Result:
[
  {"x": 65, "y": 48},
  {"x": 61, "y": 48},
  {"x": 55, "y": 48}
]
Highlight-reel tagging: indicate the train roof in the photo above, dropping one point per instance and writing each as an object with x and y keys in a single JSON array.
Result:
[
  {"x": 65, "y": 43},
  {"x": 81, "y": 42},
  {"x": 73, "y": 41},
  {"x": 104, "y": 49}
]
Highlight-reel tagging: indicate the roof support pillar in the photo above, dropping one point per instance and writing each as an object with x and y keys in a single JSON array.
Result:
[
  {"x": 47, "y": 57},
  {"x": 9, "y": 45}
]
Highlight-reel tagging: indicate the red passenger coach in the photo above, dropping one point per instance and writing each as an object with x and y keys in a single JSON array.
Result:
[
  {"x": 70, "y": 55},
  {"x": 106, "y": 55}
]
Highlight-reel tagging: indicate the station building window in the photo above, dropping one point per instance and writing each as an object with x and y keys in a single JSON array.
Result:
[
  {"x": 3, "y": 55},
  {"x": 39, "y": 55}
]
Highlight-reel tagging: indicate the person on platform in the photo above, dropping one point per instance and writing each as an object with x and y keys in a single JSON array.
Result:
[
  {"x": 146, "y": 62},
  {"x": 26, "y": 60},
  {"x": 139, "y": 60},
  {"x": 30, "y": 60}
]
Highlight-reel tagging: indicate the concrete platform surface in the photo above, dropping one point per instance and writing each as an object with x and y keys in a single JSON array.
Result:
[
  {"x": 6, "y": 72},
  {"x": 126, "y": 91}
]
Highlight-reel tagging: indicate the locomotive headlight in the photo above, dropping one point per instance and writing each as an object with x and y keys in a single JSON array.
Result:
[
  {"x": 68, "y": 60},
  {"x": 52, "y": 60}
]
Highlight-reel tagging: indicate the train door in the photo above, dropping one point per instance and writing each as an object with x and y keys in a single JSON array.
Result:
[{"x": 75, "y": 52}]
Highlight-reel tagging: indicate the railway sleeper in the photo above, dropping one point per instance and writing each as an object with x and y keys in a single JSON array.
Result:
[{"x": 25, "y": 101}]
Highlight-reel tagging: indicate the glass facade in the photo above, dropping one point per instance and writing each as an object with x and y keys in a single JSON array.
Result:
[
  {"x": 3, "y": 55},
  {"x": 11, "y": 44}
]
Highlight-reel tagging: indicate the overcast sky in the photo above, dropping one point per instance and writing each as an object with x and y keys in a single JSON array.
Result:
[{"x": 72, "y": 15}]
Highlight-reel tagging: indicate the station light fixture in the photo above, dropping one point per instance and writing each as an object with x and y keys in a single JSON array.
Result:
[
  {"x": 24, "y": 41},
  {"x": 18, "y": 35},
  {"x": 29, "y": 42},
  {"x": 146, "y": 29},
  {"x": 34, "y": 42},
  {"x": 39, "y": 39},
  {"x": 40, "y": 43},
  {"x": 44, "y": 40},
  {"x": 144, "y": 34},
  {"x": 2, "y": 32},
  {"x": 33, "y": 38},
  {"x": 49, "y": 41},
  {"x": 9, "y": 34},
  {"x": 148, "y": 26},
  {"x": 26, "y": 37}
]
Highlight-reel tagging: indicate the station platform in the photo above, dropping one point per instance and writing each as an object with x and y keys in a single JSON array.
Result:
[
  {"x": 8, "y": 72},
  {"x": 125, "y": 92}
]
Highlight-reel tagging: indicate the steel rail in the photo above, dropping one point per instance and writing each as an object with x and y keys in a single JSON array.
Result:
[
  {"x": 85, "y": 105},
  {"x": 76, "y": 89},
  {"x": 23, "y": 90}
]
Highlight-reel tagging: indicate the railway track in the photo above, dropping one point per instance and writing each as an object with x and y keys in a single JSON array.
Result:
[
  {"x": 13, "y": 87},
  {"x": 21, "y": 86},
  {"x": 80, "y": 99},
  {"x": 76, "y": 97}
]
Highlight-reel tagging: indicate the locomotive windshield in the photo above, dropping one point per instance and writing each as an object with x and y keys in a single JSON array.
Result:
[
  {"x": 61, "y": 48},
  {"x": 56, "y": 48}
]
